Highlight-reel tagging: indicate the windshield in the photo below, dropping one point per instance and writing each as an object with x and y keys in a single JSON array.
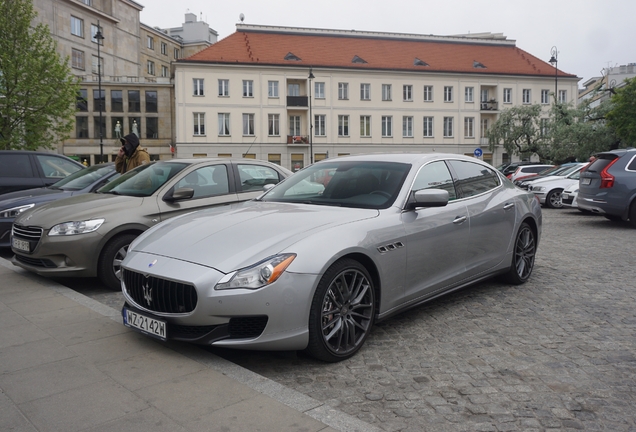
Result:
[
  {"x": 570, "y": 170},
  {"x": 144, "y": 180},
  {"x": 84, "y": 177},
  {"x": 358, "y": 184}
]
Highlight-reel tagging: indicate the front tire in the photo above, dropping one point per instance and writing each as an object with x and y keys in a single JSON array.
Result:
[
  {"x": 342, "y": 312},
  {"x": 553, "y": 199},
  {"x": 109, "y": 265},
  {"x": 523, "y": 256},
  {"x": 632, "y": 214}
]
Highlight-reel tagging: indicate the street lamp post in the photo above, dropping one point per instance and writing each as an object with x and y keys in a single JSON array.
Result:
[
  {"x": 554, "y": 60},
  {"x": 99, "y": 37},
  {"x": 311, "y": 123}
]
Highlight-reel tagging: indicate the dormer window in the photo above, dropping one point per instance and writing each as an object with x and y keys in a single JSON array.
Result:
[
  {"x": 478, "y": 65},
  {"x": 292, "y": 57},
  {"x": 418, "y": 62},
  {"x": 357, "y": 59}
]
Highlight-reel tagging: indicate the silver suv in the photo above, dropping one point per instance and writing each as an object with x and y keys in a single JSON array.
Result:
[{"x": 608, "y": 185}]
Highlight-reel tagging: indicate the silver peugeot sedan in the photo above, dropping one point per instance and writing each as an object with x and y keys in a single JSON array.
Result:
[
  {"x": 88, "y": 235},
  {"x": 339, "y": 245}
]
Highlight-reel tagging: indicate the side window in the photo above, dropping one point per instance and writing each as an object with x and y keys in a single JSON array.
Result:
[
  {"x": 435, "y": 176},
  {"x": 631, "y": 166},
  {"x": 474, "y": 179},
  {"x": 254, "y": 177},
  {"x": 15, "y": 165},
  {"x": 206, "y": 181},
  {"x": 55, "y": 167}
]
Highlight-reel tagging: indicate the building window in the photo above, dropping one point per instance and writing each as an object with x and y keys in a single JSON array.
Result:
[
  {"x": 88, "y": 2},
  {"x": 77, "y": 59},
  {"x": 151, "y": 101},
  {"x": 365, "y": 126},
  {"x": 320, "y": 125},
  {"x": 484, "y": 128},
  {"x": 365, "y": 91},
  {"x": 94, "y": 30},
  {"x": 563, "y": 96},
  {"x": 81, "y": 127},
  {"x": 224, "y": 87},
  {"x": 176, "y": 53},
  {"x": 199, "y": 123},
  {"x": 469, "y": 127},
  {"x": 526, "y": 96},
  {"x": 387, "y": 126},
  {"x": 293, "y": 89},
  {"x": 248, "y": 88},
  {"x": 343, "y": 91},
  {"x": 152, "y": 127},
  {"x": 428, "y": 93},
  {"x": 272, "y": 89},
  {"x": 407, "y": 127},
  {"x": 150, "y": 42},
  {"x": 81, "y": 100},
  {"x": 386, "y": 92},
  {"x": 77, "y": 27},
  {"x": 544, "y": 126},
  {"x": 274, "y": 158},
  {"x": 297, "y": 161},
  {"x": 197, "y": 86},
  {"x": 407, "y": 93},
  {"x": 545, "y": 96},
  {"x": 319, "y": 90},
  {"x": 224, "y": 124},
  {"x": 343, "y": 125},
  {"x": 134, "y": 101},
  {"x": 164, "y": 48},
  {"x": 294, "y": 125},
  {"x": 448, "y": 93},
  {"x": 448, "y": 127},
  {"x": 97, "y": 66},
  {"x": 99, "y": 101},
  {"x": 99, "y": 128},
  {"x": 507, "y": 95},
  {"x": 468, "y": 94},
  {"x": 248, "y": 124},
  {"x": 164, "y": 72},
  {"x": 151, "y": 68},
  {"x": 117, "y": 101},
  {"x": 273, "y": 122},
  {"x": 428, "y": 127}
]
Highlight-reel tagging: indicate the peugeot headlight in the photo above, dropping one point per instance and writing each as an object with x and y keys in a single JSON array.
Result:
[
  {"x": 15, "y": 211},
  {"x": 77, "y": 227},
  {"x": 538, "y": 188},
  {"x": 258, "y": 275}
]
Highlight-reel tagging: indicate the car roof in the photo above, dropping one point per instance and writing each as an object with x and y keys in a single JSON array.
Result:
[{"x": 402, "y": 157}]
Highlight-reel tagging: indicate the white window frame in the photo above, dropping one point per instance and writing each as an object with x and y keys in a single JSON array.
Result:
[
  {"x": 224, "y": 124},
  {"x": 448, "y": 93},
  {"x": 150, "y": 42},
  {"x": 248, "y": 124},
  {"x": 343, "y": 125},
  {"x": 151, "y": 67},
  {"x": 248, "y": 88},
  {"x": 545, "y": 96},
  {"x": 78, "y": 59},
  {"x": 407, "y": 127},
  {"x": 526, "y": 96},
  {"x": 507, "y": 95},
  {"x": 427, "y": 124},
  {"x": 199, "y": 124},
  {"x": 387, "y": 126},
  {"x": 165, "y": 72},
  {"x": 448, "y": 127},
  {"x": 272, "y": 89},
  {"x": 469, "y": 127},
  {"x": 224, "y": 87},
  {"x": 295, "y": 125},
  {"x": 320, "y": 125},
  {"x": 365, "y": 126},
  {"x": 97, "y": 65},
  {"x": 319, "y": 90},
  {"x": 407, "y": 93},
  {"x": 197, "y": 87},
  {"x": 484, "y": 128},
  {"x": 469, "y": 94},
  {"x": 94, "y": 29},
  {"x": 365, "y": 91},
  {"x": 563, "y": 96},
  {"x": 428, "y": 93},
  {"x": 77, "y": 26},
  {"x": 386, "y": 92},
  {"x": 164, "y": 48},
  {"x": 343, "y": 91},
  {"x": 273, "y": 124}
]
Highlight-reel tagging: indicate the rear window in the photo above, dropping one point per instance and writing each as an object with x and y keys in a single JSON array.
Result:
[
  {"x": 631, "y": 166},
  {"x": 532, "y": 169},
  {"x": 599, "y": 164}
]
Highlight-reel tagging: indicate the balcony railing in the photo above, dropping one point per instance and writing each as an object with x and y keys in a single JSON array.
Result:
[
  {"x": 297, "y": 101},
  {"x": 297, "y": 139},
  {"x": 491, "y": 105}
]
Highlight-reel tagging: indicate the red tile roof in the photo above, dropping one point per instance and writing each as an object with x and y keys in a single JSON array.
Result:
[{"x": 374, "y": 52}]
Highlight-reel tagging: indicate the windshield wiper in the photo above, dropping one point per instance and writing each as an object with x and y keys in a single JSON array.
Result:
[{"x": 325, "y": 203}]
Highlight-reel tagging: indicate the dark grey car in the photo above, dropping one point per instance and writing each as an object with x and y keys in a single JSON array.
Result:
[{"x": 608, "y": 185}]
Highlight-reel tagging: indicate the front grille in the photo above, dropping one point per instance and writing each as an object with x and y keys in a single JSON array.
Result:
[
  {"x": 27, "y": 233},
  {"x": 35, "y": 262},
  {"x": 247, "y": 327},
  {"x": 160, "y": 295}
]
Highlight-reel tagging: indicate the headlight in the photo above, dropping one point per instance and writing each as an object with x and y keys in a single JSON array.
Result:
[
  {"x": 538, "y": 188},
  {"x": 258, "y": 275},
  {"x": 15, "y": 211},
  {"x": 79, "y": 227}
]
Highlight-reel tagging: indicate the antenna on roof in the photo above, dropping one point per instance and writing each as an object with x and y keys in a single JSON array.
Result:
[{"x": 242, "y": 17}]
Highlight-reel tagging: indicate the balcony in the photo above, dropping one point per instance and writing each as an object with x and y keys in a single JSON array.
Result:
[
  {"x": 299, "y": 140},
  {"x": 297, "y": 101},
  {"x": 491, "y": 105}
]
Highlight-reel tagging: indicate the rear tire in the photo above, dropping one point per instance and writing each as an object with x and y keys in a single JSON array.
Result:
[
  {"x": 523, "y": 256},
  {"x": 553, "y": 199},
  {"x": 613, "y": 218},
  {"x": 632, "y": 214},
  {"x": 109, "y": 265}
]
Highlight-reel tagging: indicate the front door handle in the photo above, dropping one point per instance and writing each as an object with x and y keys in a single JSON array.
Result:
[
  {"x": 459, "y": 219},
  {"x": 508, "y": 206}
]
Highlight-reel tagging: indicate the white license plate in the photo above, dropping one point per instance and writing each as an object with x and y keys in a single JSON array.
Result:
[
  {"x": 586, "y": 181},
  {"x": 21, "y": 245},
  {"x": 147, "y": 325}
]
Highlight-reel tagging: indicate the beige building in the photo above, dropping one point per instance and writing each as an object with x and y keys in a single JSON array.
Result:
[
  {"x": 137, "y": 92},
  {"x": 290, "y": 95}
]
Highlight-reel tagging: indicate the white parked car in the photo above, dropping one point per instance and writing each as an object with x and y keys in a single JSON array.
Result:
[
  {"x": 549, "y": 190},
  {"x": 569, "y": 196}
]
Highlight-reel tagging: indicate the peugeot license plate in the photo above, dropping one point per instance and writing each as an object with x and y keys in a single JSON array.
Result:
[
  {"x": 20, "y": 245},
  {"x": 145, "y": 324}
]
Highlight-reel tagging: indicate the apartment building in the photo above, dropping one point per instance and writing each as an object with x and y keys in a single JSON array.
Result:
[
  {"x": 293, "y": 95},
  {"x": 132, "y": 65},
  {"x": 599, "y": 89}
]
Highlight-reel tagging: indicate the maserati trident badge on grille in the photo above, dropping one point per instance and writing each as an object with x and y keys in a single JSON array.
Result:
[{"x": 147, "y": 291}]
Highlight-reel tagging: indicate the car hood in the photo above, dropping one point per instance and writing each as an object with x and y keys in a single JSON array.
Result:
[
  {"x": 549, "y": 181},
  {"x": 78, "y": 208},
  {"x": 228, "y": 240},
  {"x": 37, "y": 195}
]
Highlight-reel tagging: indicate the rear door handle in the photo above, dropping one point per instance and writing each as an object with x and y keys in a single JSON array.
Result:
[
  {"x": 508, "y": 206},
  {"x": 459, "y": 219}
]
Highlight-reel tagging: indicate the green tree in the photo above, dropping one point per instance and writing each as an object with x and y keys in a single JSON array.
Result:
[
  {"x": 519, "y": 129},
  {"x": 622, "y": 116},
  {"x": 37, "y": 89}
]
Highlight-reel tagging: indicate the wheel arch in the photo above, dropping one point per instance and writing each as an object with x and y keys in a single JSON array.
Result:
[
  {"x": 370, "y": 266},
  {"x": 136, "y": 230}
]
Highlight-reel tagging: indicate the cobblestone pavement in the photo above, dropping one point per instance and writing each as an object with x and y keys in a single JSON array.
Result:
[{"x": 558, "y": 353}]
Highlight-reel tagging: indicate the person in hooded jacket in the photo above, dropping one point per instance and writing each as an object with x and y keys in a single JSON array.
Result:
[{"x": 130, "y": 154}]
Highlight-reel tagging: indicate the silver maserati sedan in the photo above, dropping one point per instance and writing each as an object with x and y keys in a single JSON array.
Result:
[{"x": 317, "y": 259}]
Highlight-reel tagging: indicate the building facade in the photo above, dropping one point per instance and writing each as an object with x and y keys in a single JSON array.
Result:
[
  {"x": 133, "y": 67},
  {"x": 292, "y": 95}
]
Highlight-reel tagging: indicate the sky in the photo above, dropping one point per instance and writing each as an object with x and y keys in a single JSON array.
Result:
[{"x": 590, "y": 35}]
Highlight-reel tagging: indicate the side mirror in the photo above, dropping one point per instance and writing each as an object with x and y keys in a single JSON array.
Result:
[
  {"x": 428, "y": 198},
  {"x": 179, "y": 194},
  {"x": 267, "y": 187}
]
